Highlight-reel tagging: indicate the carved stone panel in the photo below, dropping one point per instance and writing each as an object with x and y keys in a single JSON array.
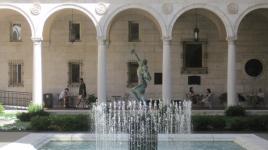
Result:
[
  {"x": 35, "y": 9},
  {"x": 101, "y": 9},
  {"x": 232, "y": 8},
  {"x": 167, "y": 8}
]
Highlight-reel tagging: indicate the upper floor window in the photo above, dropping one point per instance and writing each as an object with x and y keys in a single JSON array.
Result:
[
  {"x": 132, "y": 74},
  {"x": 133, "y": 31},
  {"x": 75, "y": 72},
  {"x": 15, "y": 32},
  {"x": 15, "y": 73},
  {"x": 194, "y": 57},
  {"x": 74, "y": 32}
]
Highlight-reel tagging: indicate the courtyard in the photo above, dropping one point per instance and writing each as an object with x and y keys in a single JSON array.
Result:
[{"x": 205, "y": 63}]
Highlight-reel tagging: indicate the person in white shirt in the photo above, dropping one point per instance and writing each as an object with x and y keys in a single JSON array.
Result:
[{"x": 64, "y": 97}]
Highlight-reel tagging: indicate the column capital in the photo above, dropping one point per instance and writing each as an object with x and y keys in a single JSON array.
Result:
[
  {"x": 231, "y": 38},
  {"x": 37, "y": 40},
  {"x": 102, "y": 40},
  {"x": 166, "y": 38}
]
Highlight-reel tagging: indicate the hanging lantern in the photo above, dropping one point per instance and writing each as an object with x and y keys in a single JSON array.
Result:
[
  {"x": 196, "y": 34},
  {"x": 196, "y": 29}
]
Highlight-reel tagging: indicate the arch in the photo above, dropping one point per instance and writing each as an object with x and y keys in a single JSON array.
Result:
[
  {"x": 21, "y": 12},
  {"x": 246, "y": 12},
  {"x": 107, "y": 21},
  {"x": 224, "y": 19},
  {"x": 67, "y": 6}
]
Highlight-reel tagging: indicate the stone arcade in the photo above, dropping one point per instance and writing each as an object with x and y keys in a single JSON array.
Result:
[{"x": 39, "y": 55}]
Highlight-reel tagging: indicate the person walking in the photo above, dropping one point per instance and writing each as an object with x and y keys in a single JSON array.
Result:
[{"x": 82, "y": 92}]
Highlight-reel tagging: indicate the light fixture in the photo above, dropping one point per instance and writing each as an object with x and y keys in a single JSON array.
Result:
[
  {"x": 196, "y": 29},
  {"x": 72, "y": 36}
]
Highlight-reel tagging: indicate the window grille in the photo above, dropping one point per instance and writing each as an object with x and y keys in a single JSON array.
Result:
[
  {"x": 15, "y": 73},
  {"x": 133, "y": 31},
  {"x": 74, "y": 32},
  {"x": 75, "y": 71}
]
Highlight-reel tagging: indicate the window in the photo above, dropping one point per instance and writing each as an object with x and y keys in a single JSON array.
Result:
[
  {"x": 15, "y": 32},
  {"x": 194, "y": 57},
  {"x": 74, "y": 32},
  {"x": 133, "y": 31},
  {"x": 75, "y": 72},
  {"x": 132, "y": 74},
  {"x": 157, "y": 78},
  {"x": 15, "y": 73}
]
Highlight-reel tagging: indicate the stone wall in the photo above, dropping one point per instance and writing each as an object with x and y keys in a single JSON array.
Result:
[
  {"x": 58, "y": 52},
  {"x": 9, "y": 51},
  {"x": 216, "y": 77},
  {"x": 252, "y": 44}
]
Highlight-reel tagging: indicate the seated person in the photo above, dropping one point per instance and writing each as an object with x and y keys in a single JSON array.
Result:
[
  {"x": 64, "y": 97},
  {"x": 208, "y": 98},
  {"x": 191, "y": 95},
  {"x": 260, "y": 96}
]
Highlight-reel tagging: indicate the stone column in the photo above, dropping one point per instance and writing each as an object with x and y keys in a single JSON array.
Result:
[
  {"x": 231, "y": 73},
  {"x": 37, "y": 96},
  {"x": 166, "y": 87},
  {"x": 101, "y": 75}
]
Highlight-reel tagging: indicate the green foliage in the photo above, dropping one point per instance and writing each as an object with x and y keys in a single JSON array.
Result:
[
  {"x": 235, "y": 111},
  {"x": 258, "y": 123},
  {"x": 205, "y": 123},
  {"x": 27, "y": 116},
  {"x": 12, "y": 123},
  {"x": 222, "y": 123},
  {"x": 2, "y": 109},
  {"x": 91, "y": 99},
  {"x": 69, "y": 122},
  {"x": 34, "y": 108},
  {"x": 60, "y": 123},
  {"x": 239, "y": 124},
  {"x": 16, "y": 126},
  {"x": 24, "y": 116},
  {"x": 218, "y": 123},
  {"x": 40, "y": 123},
  {"x": 200, "y": 123}
]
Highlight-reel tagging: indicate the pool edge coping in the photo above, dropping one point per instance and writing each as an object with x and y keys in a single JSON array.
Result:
[{"x": 34, "y": 141}]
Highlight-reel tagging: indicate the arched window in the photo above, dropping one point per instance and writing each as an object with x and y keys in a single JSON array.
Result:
[{"x": 15, "y": 35}]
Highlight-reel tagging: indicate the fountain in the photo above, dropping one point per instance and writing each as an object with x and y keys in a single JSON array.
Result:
[
  {"x": 135, "y": 121},
  {"x": 139, "y": 124}
]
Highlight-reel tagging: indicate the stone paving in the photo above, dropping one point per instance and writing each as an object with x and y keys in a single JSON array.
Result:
[{"x": 8, "y": 137}]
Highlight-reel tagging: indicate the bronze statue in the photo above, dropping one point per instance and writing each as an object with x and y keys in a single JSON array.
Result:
[{"x": 143, "y": 78}]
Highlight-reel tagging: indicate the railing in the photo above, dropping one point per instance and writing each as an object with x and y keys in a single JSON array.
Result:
[{"x": 14, "y": 98}]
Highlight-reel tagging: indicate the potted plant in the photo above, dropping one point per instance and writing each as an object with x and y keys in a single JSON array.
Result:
[{"x": 91, "y": 100}]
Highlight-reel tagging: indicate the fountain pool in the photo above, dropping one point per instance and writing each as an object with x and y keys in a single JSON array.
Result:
[
  {"x": 40, "y": 141},
  {"x": 134, "y": 126},
  {"x": 167, "y": 145}
]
